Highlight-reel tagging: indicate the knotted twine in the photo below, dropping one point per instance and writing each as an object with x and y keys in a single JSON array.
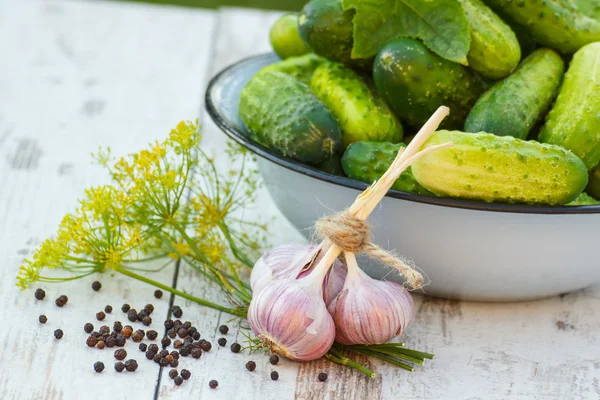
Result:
[{"x": 353, "y": 234}]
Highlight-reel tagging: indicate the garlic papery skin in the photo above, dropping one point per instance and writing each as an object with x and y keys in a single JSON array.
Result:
[
  {"x": 291, "y": 319},
  {"x": 368, "y": 311},
  {"x": 289, "y": 261}
]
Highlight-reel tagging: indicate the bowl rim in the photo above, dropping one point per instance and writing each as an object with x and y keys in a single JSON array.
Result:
[{"x": 296, "y": 166}]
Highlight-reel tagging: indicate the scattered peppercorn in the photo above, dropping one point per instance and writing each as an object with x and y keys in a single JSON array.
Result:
[
  {"x": 174, "y": 363},
  {"x": 149, "y": 308},
  {"x": 187, "y": 325},
  {"x": 224, "y": 329},
  {"x": 164, "y": 353},
  {"x": 185, "y": 374},
  {"x": 98, "y": 366},
  {"x": 120, "y": 340},
  {"x": 250, "y": 365},
  {"x": 111, "y": 341},
  {"x": 169, "y": 357},
  {"x": 39, "y": 294},
  {"x": 58, "y": 333},
  {"x": 177, "y": 343},
  {"x": 100, "y": 344},
  {"x": 157, "y": 358},
  {"x": 322, "y": 377},
  {"x": 222, "y": 342},
  {"x": 169, "y": 324},
  {"x": 153, "y": 347},
  {"x": 151, "y": 334},
  {"x": 61, "y": 301},
  {"x": 131, "y": 365},
  {"x": 196, "y": 335},
  {"x": 150, "y": 355},
  {"x": 119, "y": 366},
  {"x": 236, "y": 348},
  {"x": 125, "y": 307},
  {"x": 182, "y": 332},
  {"x": 206, "y": 346},
  {"x": 108, "y": 309},
  {"x": 177, "y": 311},
  {"x": 117, "y": 326},
  {"x": 43, "y": 319},
  {"x": 274, "y": 375},
  {"x": 197, "y": 353},
  {"x": 163, "y": 362},
  {"x": 147, "y": 321},
  {"x": 120, "y": 354},
  {"x": 173, "y": 373},
  {"x": 177, "y": 324},
  {"x": 274, "y": 359},
  {"x": 95, "y": 334},
  {"x": 175, "y": 355},
  {"x": 171, "y": 333},
  {"x": 165, "y": 341},
  {"x": 127, "y": 331},
  {"x": 178, "y": 380},
  {"x": 185, "y": 351},
  {"x": 137, "y": 336},
  {"x": 213, "y": 384},
  {"x": 143, "y": 347},
  {"x": 100, "y": 316},
  {"x": 132, "y": 315},
  {"x": 189, "y": 340},
  {"x": 104, "y": 329},
  {"x": 158, "y": 294}
]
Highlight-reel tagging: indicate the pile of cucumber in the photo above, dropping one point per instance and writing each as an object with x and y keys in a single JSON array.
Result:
[{"x": 524, "y": 114}]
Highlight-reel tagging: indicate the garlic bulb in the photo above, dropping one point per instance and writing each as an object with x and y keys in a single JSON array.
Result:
[
  {"x": 290, "y": 317},
  {"x": 288, "y": 261},
  {"x": 368, "y": 311}
]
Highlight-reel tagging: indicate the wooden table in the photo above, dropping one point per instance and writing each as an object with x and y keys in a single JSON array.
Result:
[{"x": 78, "y": 75}]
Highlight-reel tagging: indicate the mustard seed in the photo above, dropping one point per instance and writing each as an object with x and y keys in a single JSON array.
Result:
[
  {"x": 274, "y": 375},
  {"x": 213, "y": 384},
  {"x": 96, "y": 285},
  {"x": 178, "y": 380},
  {"x": 158, "y": 293},
  {"x": 98, "y": 366},
  {"x": 119, "y": 366},
  {"x": 108, "y": 309},
  {"x": 236, "y": 348},
  {"x": 222, "y": 342},
  {"x": 125, "y": 307},
  {"x": 43, "y": 319},
  {"x": 322, "y": 377},
  {"x": 173, "y": 373},
  {"x": 40, "y": 294},
  {"x": 224, "y": 329},
  {"x": 131, "y": 365},
  {"x": 274, "y": 359},
  {"x": 250, "y": 365},
  {"x": 100, "y": 316},
  {"x": 58, "y": 333},
  {"x": 185, "y": 374}
]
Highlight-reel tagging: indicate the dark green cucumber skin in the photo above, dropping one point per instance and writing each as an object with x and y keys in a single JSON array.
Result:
[
  {"x": 300, "y": 68},
  {"x": 285, "y": 38},
  {"x": 593, "y": 187},
  {"x": 583, "y": 199},
  {"x": 415, "y": 82},
  {"x": 332, "y": 166},
  {"x": 513, "y": 106},
  {"x": 328, "y": 30},
  {"x": 574, "y": 121},
  {"x": 283, "y": 114},
  {"x": 483, "y": 166},
  {"x": 554, "y": 23},
  {"x": 368, "y": 161}
]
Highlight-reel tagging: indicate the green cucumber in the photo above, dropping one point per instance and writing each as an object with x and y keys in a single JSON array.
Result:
[
  {"x": 359, "y": 110},
  {"x": 494, "y": 50},
  {"x": 553, "y": 23},
  {"x": 367, "y": 161},
  {"x": 514, "y": 105},
  {"x": 300, "y": 68},
  {"x": 593, "y": 186},
  {"x": 283, "y": 114},
  {"x": 328, "y": 31},
  {"x": 285, "y": 39},
  {"x": 483, "y": 166},
  {"x": 591, "y": 8},
  {"x": 583, "y": 199},
  {"x": 415, "y": 82},
  {"x": 332, "y": 165},
  {"x": 574, "y": 121}
]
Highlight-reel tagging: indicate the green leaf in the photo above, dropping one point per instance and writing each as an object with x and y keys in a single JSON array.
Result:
[{"x": 441, "y": 24}]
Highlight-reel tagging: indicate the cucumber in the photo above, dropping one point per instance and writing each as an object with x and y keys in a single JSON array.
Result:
[
  {"x": 285, "y": 39},
  {"x": 492, "y": 168},
  {"x": 583, "y": 199},
  {"x": 553, "y": 23},
  {"x": 359, "y": 110},
  {"x": 300, "y": 68},
  {"x": 328, "y": 31},
  {"x": 332, "y": 165},
  {"x": 283, "y": 114},
  {"x": 574, "y": 121},
  {"x": 514, "y": 105},
  {"x": 494, "y": 50},
  {"x": 367, "y": 161},
  {"x": 591, "y": 8},
  {"x": 593, "y": 186},
  {"x": 415, "y": 82}
]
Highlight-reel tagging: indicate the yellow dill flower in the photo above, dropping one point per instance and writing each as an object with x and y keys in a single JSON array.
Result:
[{"x": 180, "y": 250}]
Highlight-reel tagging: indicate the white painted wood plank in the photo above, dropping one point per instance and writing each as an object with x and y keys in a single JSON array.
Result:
[{"x": 75, "y": 76}]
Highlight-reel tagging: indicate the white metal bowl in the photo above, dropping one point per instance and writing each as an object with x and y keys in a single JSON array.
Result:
[{"x": 469, "y": 250}]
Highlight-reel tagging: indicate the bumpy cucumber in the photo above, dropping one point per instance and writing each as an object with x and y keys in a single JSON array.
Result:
[
  {"x": 415, "y": 82},
  {"x": 300, "y": 68},
  {"x": 285, "y": 39},
  {"x": 367, "y": 161},
  {"x": 553, "y": 23},
  {"x": 583, "y": 199},
  {"x": 494, "y": 50},
  {"x": 494, "y": 168},
  {"x": 359, "y": 110},
  {"x": 283, "y": 114},
  {"x": 574, "y": 121},
  {"x": 514, "y": 105},
  {"x": 593, "y": 186},
  {"x": 328, "y": 30},
  {"x": 591, "y": 8}
]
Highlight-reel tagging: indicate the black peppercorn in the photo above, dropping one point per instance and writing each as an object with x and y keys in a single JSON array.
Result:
[
  {"x": 120, "y": 340},
  {"x": 222, "y": 342},
  {"x": 213, "y": 384},
  {"x": 163, "y": 362},
  {"x": 322, "y": 377},
  {"x": 58, "y": 333},
  {"x": 206, "y": 346},
  {"x": 137, "y": 336},
  {"x": 174, "y": 363},
  {"x": 108, "y": 309},
  {"x": 169, "y": 324},
  {"x": 141, "y": 315},
  {"x": 236, "y": 348},
  {"x": 153, "y": 347},
  {"x": 150, "y": 355},
  {"x": 185, "y": 374},
  {"x": 39, "y": 294},
  {"x": 177, "y": 324},
  {"x": 43, "y": 319},
  {"x": 149, "y": 308},
  {"x": 177, "y": 343},
  {"x": 96, "y": 334},
  {"x": 250, "y": 365},
  {"x": 177, "y": 311},
  {"x": 120, "y": 354},
  {"x": 164, "y": 353},
  {"x": 196, "y": 335},
  {"x": 91, "y": 341},
  {"x": 274, "y": 359},
  {"x": 98, "y": 366},
  {"x": 151, "y": 334},
  {"x": 127, "y": 331},
  {"x": 111, "y": 341},
  {"x": 197, "y": 353},
  {"x": 119, "y": 366},
  {"x": 61, "y": 301},
  {"x": 185, "y": 351},
  {"x": 175, "y": 355},
  {"x": 100, "y": 316},
  {"x": 96, "y": 285},
  {"x": 143, "y": 346},
  {"x": 165, "y": 341},
  {"x": 147, "y": 321},
  {"x": 117, "y": 326},
  {"x": 274, "y": 375},
  {"x": 224, "y": 329},
  {"x": 158, "y": 293},
  {"x": 132, "y": 315},
  {"x": 171, "y": 333},
  {"x": 187, "y": 325},
  {"x": 125, "y": 307},
  {"x": 182, "y": 332},
  {"x": 104, "y": 329},
  {"x": 178, "y": 380},
  {"x": 173, "y": 373},
  {"x": 131, "y": 365},
  {"x": 157, "y": 358},
  {"x": 100, "y": 344}
]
